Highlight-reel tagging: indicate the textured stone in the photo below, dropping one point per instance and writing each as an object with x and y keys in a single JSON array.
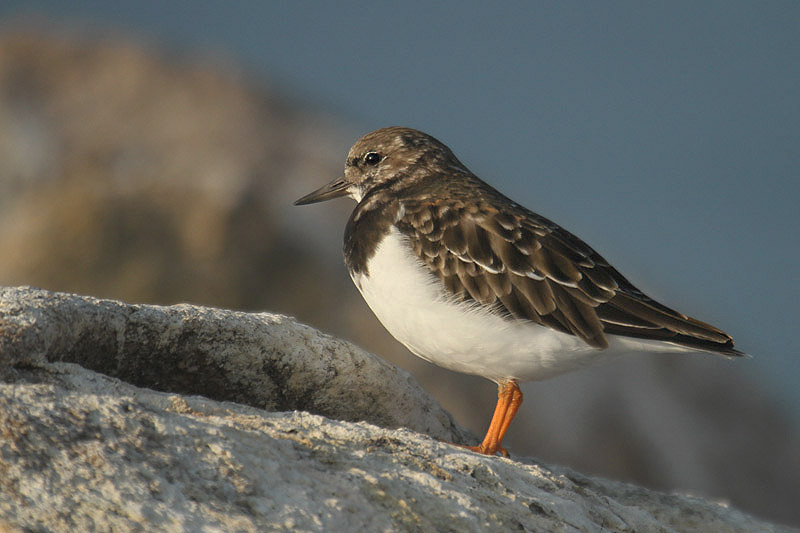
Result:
[
  {"x": 83, "y": 451},
  {"x": 259, "y": 359}
]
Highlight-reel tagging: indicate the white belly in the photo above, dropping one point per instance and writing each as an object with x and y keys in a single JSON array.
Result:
[{"x": 463, "y": 336}]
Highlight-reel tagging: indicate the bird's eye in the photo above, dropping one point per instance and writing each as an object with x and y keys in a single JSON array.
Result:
[{"x": 372, "y": 158}]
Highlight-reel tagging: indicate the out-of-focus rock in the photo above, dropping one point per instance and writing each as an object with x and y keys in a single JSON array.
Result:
[{"x": 154, "y": 180}]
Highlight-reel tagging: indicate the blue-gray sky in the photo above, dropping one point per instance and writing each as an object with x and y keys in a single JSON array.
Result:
[{"x": 666, "y": 134}]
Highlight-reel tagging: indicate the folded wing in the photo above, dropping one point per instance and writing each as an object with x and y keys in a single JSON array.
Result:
[{"x": 532, "y": 269}]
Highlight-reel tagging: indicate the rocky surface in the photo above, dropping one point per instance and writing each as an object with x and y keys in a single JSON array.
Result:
[
  {"x": 81, "y": 450},
  {"x": 263, "y": 360}
]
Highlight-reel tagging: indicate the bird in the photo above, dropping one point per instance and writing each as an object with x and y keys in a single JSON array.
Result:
[{"x": 472, "y": 281}]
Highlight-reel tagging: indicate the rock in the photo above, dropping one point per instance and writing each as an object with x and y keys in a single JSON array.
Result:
[
  {"x": 259, "y": 359},
  {"x": 81, "y": 450}
]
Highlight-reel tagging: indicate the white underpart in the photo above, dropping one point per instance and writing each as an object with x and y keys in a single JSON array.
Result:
[{"x": 412, "y": 304}]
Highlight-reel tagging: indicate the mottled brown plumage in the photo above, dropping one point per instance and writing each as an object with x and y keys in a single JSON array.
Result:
[{"x": 532, "y": 269}]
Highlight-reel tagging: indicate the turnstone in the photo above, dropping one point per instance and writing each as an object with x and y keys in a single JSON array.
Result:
[{"x": 470, "y": 280}]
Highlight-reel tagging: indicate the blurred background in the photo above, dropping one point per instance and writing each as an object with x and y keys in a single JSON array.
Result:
[{"x": 150, "y": 151}]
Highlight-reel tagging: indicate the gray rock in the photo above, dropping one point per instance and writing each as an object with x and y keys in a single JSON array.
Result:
[
  {"x": 259, "y": 359},
  {"x": 84, "y": 451}
]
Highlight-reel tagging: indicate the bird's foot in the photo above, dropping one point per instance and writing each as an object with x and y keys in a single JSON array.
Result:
[{"x": 486, "y": 450}]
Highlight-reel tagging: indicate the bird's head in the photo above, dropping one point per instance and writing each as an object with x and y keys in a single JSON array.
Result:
[{"x": 380, "y": 159}]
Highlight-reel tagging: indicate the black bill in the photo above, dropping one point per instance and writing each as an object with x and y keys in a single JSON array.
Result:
[{"x": 334, "y": 189}]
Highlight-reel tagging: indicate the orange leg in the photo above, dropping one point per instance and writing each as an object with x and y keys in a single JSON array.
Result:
[{"x": 509, "y": 398}]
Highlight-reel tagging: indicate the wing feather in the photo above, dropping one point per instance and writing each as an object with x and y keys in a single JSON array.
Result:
[{"x": 531, "y": 269}]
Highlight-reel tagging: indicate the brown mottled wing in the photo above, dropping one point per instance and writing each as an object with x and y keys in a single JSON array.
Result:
[{"x": 532, "y": 269}]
